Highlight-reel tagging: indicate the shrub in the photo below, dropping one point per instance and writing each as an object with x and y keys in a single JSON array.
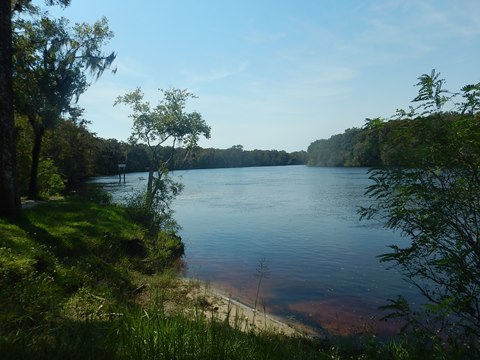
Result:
[{"x": 50, "y": 182}]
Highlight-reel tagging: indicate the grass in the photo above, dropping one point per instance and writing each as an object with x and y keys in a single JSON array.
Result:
[
  {"x": 81, "y": 280},
  {"x": 153, "y": 335}
]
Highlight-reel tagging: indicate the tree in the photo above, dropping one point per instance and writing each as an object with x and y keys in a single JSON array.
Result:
[
  {"x": 366, "y": 148},
  {"x": 338, "y": 150},
  {"x": 436, "y": 203},
  {"x": 165, "y": 125},
  {"x": 73, "y": 149},
  {"x": 51, "y": 62},
  {"x": 10, "y": 199},
  {"x": 108, "y": 153},
  {"x": 9, "y": 195},
  {"x": 138, "y": 158}
]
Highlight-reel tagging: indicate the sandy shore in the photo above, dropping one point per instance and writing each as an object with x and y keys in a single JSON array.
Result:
[{"x": 217, "y": 304}]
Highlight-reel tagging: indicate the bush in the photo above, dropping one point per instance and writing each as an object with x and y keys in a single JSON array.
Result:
[
  {"x": 153, "y": 211},
  {"x": 50, "y": 182},
  {"x": 94, "y": 193}
]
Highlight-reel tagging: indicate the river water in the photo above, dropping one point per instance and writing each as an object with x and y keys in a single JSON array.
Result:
[{"x": 302, "y": 224}]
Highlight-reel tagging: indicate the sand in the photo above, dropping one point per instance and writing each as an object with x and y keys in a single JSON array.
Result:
[{"x": 214, "y": 303}]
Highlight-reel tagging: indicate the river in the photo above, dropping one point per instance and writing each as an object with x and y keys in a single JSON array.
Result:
[{"x": 302, "y": 224}]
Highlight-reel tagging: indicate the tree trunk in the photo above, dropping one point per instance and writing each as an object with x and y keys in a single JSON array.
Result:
[
  {"x": 150, "y": 186},
  {"x": 37, "y": 144},
  {"x": 10, "y": 205}
]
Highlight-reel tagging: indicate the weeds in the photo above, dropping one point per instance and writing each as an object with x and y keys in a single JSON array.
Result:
[
  {"x": 262, "y": 272},
  {"x": 154, "y": 335}
]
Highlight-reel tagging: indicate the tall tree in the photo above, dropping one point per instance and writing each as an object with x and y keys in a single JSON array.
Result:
[
  {"x": 9, "y": 195},
  {"x": 50, "y": 73}
]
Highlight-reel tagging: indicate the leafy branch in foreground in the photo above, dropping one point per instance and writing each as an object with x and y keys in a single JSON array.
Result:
[{"x": 436, "y": 203}]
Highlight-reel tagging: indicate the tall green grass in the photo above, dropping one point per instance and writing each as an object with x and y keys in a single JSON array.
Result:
[{"x": 152, "y": 334}]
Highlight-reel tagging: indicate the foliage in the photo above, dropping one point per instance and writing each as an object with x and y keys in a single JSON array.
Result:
[
  {"x": 400, "y": 142},
  {"x": 139, "y": 157},
  {"x": 78, "y": 154},
  {"x": 24, "y": 143},
  {"x": 94, "y": 193},
  {"x": 51, "y": 63},
  {"x": 166, "y": 123},
  {"x": 160, "y": 215},
  {"x": 75, "y": 152},
  {"x": 236, "y": 156},
  {"x": 50, "y": 183},
  {"x": 107, "y": 153},
  {"x": 435, "y": 201},
  {"x": 431, "y": 95},
  {"x": 73, "y": 149},
  {"x": 336, "y": 151}
]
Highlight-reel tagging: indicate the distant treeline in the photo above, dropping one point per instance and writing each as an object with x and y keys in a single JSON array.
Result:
[
  {"x": 386, "y": 143},
  {"x": 71, "y": 153},
  {"x": 209, "y": 158}
]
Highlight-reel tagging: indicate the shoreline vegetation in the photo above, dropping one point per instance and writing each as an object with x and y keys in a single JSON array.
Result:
[{"x": 79, "y": 279}]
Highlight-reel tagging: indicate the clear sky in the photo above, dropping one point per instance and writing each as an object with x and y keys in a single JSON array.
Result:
[{"x": 278, "y": 74}]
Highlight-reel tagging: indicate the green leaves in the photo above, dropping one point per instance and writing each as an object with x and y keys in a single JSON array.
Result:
[
  {"x": 435, "y": 201},
  {"x": 170, "y": 123},
  {"x": 167, "y": 121},
  {"x": 51, "y": 59},
  {"x": 471, "y": 94},
  {"x": 431, "y": 92},
  {"x": 52, "y": 62}
]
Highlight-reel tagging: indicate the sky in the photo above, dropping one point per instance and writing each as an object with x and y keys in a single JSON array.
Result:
[{"x": 278, "y": 74}]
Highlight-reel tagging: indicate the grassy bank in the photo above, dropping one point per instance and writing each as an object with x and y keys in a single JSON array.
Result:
[{"x": 80, "y": 279}]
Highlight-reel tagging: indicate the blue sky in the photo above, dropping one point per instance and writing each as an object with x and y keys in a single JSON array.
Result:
[{"x": 279, "y": 74}]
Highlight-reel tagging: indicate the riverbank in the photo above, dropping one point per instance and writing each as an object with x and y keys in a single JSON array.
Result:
[{"x": 80, "y": 280}]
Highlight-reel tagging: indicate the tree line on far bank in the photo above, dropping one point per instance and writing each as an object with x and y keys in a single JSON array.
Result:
[
  {"x": 138, "y": 157},
  {"x": 71, "y": 153},
  {"x": 396, "y": 142}
]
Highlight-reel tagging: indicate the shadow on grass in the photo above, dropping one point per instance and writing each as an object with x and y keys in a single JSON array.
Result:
[
  {"x": 55, "y": 248},
  {"x": 70, "y": 340}
]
